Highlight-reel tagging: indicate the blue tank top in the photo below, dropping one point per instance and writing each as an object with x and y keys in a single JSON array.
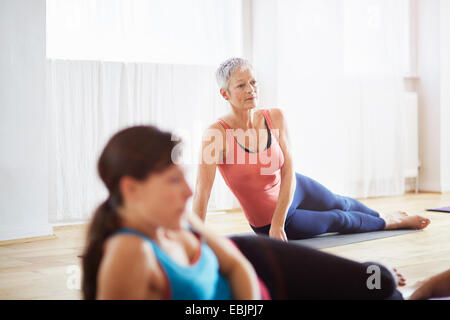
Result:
[{"x": 198, "y": 281}]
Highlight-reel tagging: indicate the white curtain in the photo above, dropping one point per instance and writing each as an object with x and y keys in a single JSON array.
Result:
[
  {"x": 336, "y": 68},
  {"x": 151, "y": 62},
  {"x": 90, "y": 101}
]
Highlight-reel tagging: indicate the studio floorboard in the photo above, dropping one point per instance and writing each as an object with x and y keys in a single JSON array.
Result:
[{"x": 48, "y": 268}]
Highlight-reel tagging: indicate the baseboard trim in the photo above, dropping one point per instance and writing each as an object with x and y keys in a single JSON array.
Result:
[
  {"x": 429, "y": 187},
  {"x": 25, "y": 233},
  {"x": 26, "y": 240}
]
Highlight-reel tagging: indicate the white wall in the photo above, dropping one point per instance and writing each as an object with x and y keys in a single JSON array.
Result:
[
  {"x": 445, "y": 95},
  {"x": 23, "y": 120},
  {"x": 432, "y": 68},
  {"x": 265, "y": 62}
]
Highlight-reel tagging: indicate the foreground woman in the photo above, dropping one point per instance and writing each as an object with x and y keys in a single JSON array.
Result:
[
  {"x": 251, "y": 149},
  {"x": 141, "y": 244}
]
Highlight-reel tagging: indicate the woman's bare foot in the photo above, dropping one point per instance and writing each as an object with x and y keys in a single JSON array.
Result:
[
  {"x": 401, "y": 220},
  {"x": 401, "y": 281}
]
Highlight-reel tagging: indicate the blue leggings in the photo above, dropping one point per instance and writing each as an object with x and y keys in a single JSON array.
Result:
[{"x": 316, "y": 210}]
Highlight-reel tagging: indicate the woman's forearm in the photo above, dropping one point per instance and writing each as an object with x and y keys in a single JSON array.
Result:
[
  {"x": 200, "y": 204},
  {"x": 203, "y": 187},
  {"x": 285, "y": 197},
  {"x": 437, "y": 286}
]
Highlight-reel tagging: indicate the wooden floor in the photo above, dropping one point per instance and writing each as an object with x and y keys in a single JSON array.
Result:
[{"x": 49, "y": 268}]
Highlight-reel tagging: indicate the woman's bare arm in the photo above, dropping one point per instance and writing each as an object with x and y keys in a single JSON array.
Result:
[
  {"x": 287, "y": 186},
  {"x": 212, "y": 150},
  {"x": 437, "y": 286}
]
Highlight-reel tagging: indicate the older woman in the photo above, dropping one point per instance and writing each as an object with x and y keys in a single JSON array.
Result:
[{"x": 252, "y": 152}]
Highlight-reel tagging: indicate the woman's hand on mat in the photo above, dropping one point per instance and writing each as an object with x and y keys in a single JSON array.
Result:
[{"x": 277, "y": 232}]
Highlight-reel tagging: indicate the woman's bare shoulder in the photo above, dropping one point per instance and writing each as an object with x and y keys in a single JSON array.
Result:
[
  {"x": 216, "y": 126},
  {"x": 214, "y": 133},
  {"x": 277, "y": 117},
  {"x": 129, "y": 269},
  {"x": 276, "y": 113},
  {"x": 127, "y": 247},
  {"x": 124, "y": 252}
]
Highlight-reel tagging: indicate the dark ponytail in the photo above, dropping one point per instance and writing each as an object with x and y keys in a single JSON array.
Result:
[
  {"x": 135, "y": 152},
  {"x": 104, "y": 223}
]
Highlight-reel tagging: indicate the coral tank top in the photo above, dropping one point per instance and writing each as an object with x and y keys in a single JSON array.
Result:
[{"x": 253, "y": 177}]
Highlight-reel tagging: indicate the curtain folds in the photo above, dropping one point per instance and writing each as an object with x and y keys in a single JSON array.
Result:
[
  {"x": 90, "y": 100},
  {"x": 336, "y": 69}
]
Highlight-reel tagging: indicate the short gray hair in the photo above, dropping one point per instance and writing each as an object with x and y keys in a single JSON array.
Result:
[{"x": 227, "y": 68}]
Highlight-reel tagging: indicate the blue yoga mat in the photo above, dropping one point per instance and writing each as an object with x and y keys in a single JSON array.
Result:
[
  {"x": 329, "y": 240},
  {"x": 443, "y": 209}
]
